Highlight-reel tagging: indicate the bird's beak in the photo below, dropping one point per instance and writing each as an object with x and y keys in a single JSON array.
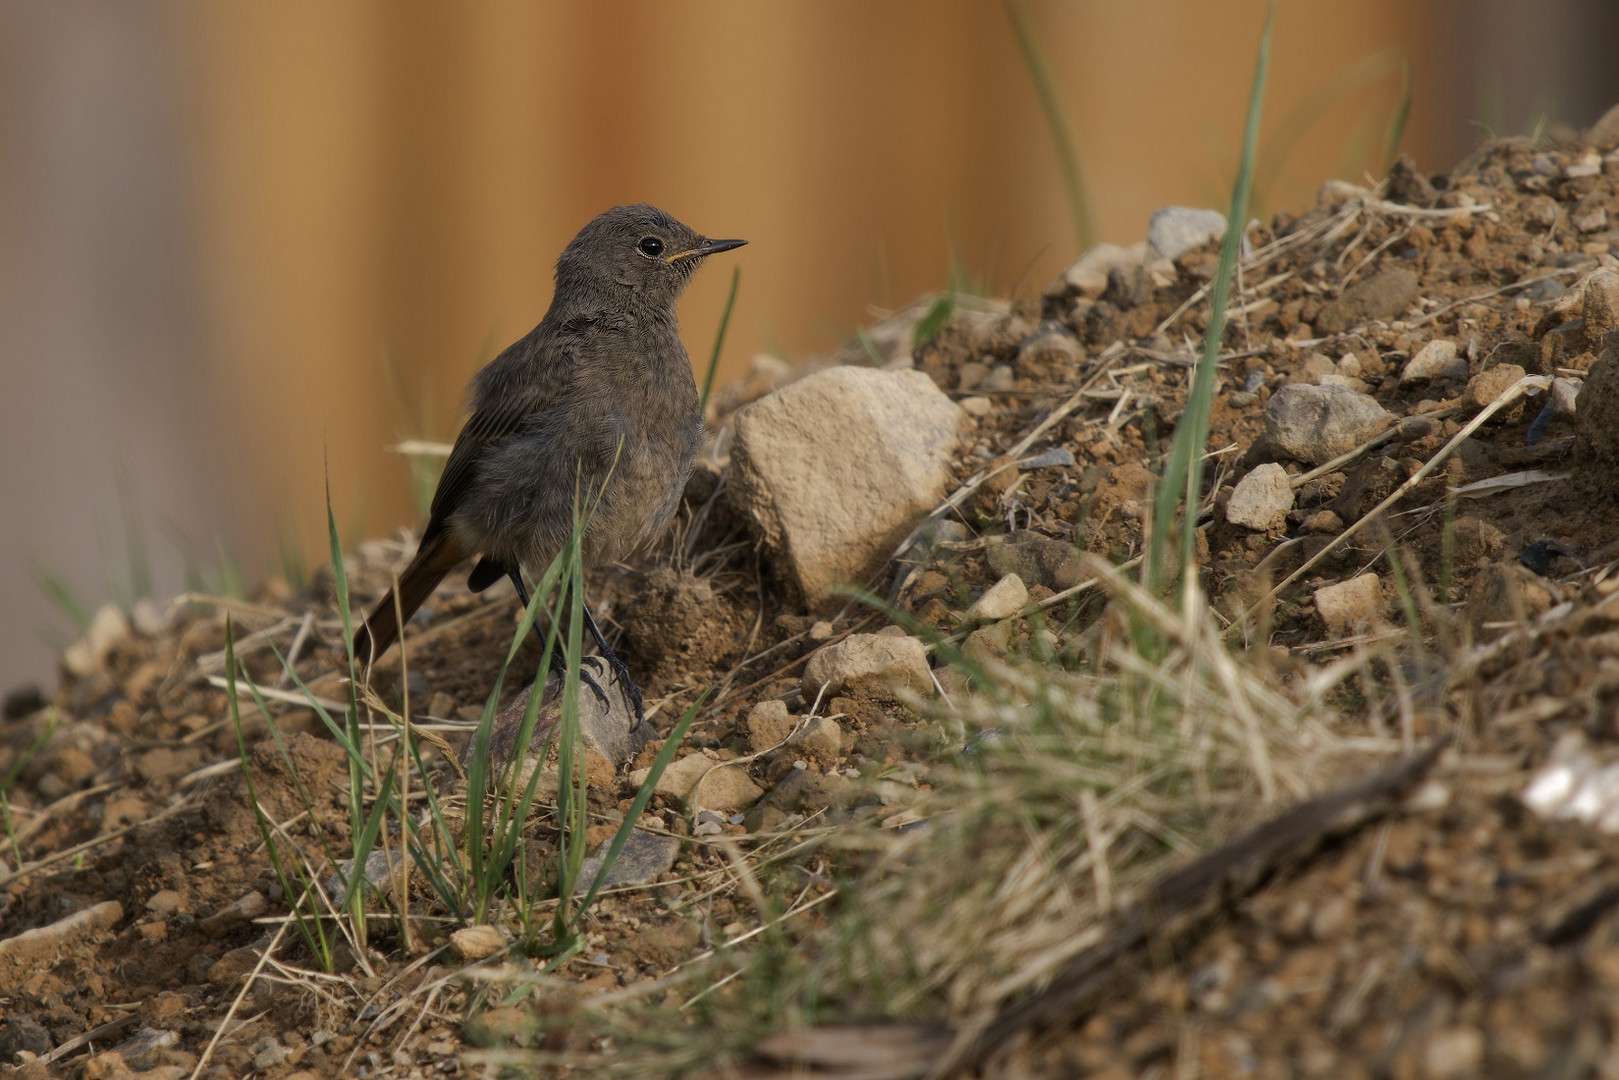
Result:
[{"x": 706, "y": 247}]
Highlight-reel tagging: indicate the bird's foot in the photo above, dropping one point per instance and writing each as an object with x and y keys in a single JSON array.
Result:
[
  {"x": 633, "y": 692},
  {"x": 559, "y": 664}
]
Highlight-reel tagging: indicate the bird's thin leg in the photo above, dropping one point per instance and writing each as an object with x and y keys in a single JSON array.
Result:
[
  {"x": 620, "y": 668},
  {"x": 559, "y": 662},
  {"x": 517, "y": 582}
]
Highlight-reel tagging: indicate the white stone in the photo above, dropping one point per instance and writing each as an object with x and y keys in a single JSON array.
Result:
[
  {"x": 1174, "y": 230},
  {"x": 1564, "y": 394},
  {"x": 1317, "y": 423},
  {"x": 472, "y": 943},
  {"x": 1089, "y": 272},
  {"x": 699, "y": 781},
  {"x": 822, "y": 739},
  {"x": 881, "y": 662},
  {"x": 1261, "y": 499},
  {"x": 835, "y": 469},
  {"x": 1351, "y": 605},
  {"x": 1439, "y": 359},
  {"x": 1001, "y": 600},
  {"x": 107, "y": 628}
]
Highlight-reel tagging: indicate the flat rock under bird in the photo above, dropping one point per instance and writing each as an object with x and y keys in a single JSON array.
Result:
[{"x": 595, "y": 405}]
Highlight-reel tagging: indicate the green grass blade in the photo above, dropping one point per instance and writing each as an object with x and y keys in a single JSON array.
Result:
[
  {"x": 933, "y": 320},
  {"x": 1183, "y": 473},
  {"x": 1062, "y": 140},
  {"x": 68, "y": 602},
  {"x": 1395, "y": 134},
  {"x": 719, "y": 342},
  {"x": 310, "y": 927},
  {"x": 10, "y": 780}
]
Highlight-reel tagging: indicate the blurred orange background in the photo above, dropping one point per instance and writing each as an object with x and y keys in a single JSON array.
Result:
[{"x": 247, "y": 247}]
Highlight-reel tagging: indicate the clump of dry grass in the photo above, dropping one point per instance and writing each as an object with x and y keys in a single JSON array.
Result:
[{"x": 1072, "y": 789}]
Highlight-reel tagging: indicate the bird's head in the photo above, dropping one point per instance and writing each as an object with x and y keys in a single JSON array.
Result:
[{"x": 638, "y": 253}]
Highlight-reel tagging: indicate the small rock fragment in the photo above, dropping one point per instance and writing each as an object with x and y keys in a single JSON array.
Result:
[
  {"x": 1505, "y": 595},
  {"x": 1453, "y": 1052},
  {"x": 1332, "y": 917},
  {"x": 1350, "y": 606},
  {"x": 1088, "y": 274},
  {"x": 233, "y": 966},
  {"x": 646, "y": 855},
  {"x": 23, "y": 1034},
  {"x": 1037, "y": 559},
  {"x": 806, "y": 791},
  {"x": 1324, "y": 523},
  {"x": 999, "y": 380},
  {"x": 1316, "y": 364},
  {"x": 1564, "y": 394},
  {"x": 822, "y": 741},
  {"x": 699, "y": 781},
  {"x": 163, "y": 902},
  {"x": 1172, "y": 231},
  {"x": 1384, "y": 295},
  {"x": 1489, "y": 384},
  {"x": 1050, "y": 353},
  {"x": 148, "y": 618},
  {"x": 243, "y": 910},
  {"x": 107, "y": 628},
  {"x": 881, "y": 663},
  {"x": 1599, "y": 306},
  {"x": 1261, "y": 499},
  {"x": 271, "y": 1054},
  {"x": 1002, "y": 600},
  {"x": 768, "y": 725},
  {"x": 1589, "y": 215},
  {"x": 1439, "y": 359},
  {"x": 1317, "y": 423},
  {"x": 608, "y": 729},
  {"x": 473, "y": 943},
  {"x": 1416, "y": 427}
]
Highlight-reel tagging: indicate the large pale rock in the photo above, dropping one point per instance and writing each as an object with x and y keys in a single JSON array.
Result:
[
  {"x": 835, "y": 469},
  {"x": 1317, "y": 423},
  {"x": 880, "y": 662}
]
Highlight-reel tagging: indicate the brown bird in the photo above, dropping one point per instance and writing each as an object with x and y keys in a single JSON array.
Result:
[{"x": 596, "y": 404}]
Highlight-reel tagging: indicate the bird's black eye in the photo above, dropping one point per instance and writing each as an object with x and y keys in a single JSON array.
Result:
[{"x": 650, "y": 246}]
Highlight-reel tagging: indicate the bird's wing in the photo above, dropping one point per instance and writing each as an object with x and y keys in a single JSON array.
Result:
[{"x": 507, "y": 398}]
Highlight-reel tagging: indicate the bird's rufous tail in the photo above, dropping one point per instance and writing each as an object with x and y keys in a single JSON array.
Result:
[{"x": 436, "y": 557}]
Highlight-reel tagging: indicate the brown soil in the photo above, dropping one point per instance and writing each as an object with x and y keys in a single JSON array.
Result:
[{"x": 1464, "y": 936}]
